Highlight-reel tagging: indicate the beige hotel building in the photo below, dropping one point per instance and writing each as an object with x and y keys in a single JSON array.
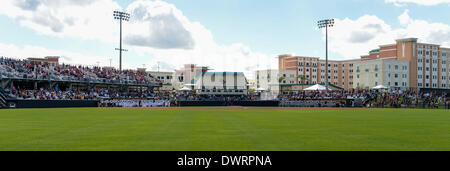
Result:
[
  {"x": 404, "y": 64},
  {"x": 311, "y": 70},
  {"x": 407, "y": 64}
]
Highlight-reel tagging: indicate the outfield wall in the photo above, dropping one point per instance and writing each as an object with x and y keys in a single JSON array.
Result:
[
  {"x": 223, "y": 103},
  {"x": 52, "y": 103}
]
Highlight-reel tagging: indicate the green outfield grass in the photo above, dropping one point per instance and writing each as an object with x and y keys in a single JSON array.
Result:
[{"x": 224, "y": 130}]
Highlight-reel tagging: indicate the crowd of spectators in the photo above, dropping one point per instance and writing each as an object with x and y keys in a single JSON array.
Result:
[
  {"x": 359, "y": 98},
  {"x": 371, "y": 98},
  {"x": 322, "y": 95},
  {"x": 76, "y": 94},
  {"x": 41, "y": 70},
  {"x": 401, "y": 98}
]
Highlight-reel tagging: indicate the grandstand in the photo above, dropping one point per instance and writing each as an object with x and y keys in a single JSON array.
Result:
[{"x": 41, "y": 79}]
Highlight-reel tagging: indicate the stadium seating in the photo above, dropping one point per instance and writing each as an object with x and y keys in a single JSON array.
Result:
[{"x": 23, "y": 69}]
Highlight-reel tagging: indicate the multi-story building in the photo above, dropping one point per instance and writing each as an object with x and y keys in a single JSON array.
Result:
[
  {"x": 421, "y": 66},
  {"x": 428, "y": 63},
  {"x": 51, "y": 60},
  {"x": 223, "y": 83},
  {"x": 311, "y": 70},
  {"x": 197, "y": 78},
  {"x": 385, "y": 72},
  {"x": 187, "y": 75},
  {"x": 270, "y": 80},
  {"x": 166, "y": 78}
]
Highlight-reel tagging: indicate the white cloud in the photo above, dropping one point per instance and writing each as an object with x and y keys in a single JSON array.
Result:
[
  {"x": 405, "y": 19},
  {"x": 158, "y": 24},
  {"x": 353, "y": 38},
  {"x": 85, "y": 19},
  {"x": 197, "y": 43},
  {"x": 419, "y": 2},
  {"x": 157, "y": 31}
]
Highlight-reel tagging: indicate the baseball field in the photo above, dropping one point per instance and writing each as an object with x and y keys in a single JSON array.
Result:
[{"x": 224, "y": 129}]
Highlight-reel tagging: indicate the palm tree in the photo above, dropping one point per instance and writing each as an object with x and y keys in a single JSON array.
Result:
[
  {"x": 281, "y": 79},
  {"x": 302, "y": 78}
]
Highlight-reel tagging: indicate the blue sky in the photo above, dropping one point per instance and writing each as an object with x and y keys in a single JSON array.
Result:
[{"x": 254, "y": 29}]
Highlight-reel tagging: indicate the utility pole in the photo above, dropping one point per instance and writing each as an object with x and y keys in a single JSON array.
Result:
[
  {"x": 158, "y": 66},
  {"x": 121, "y": 16},
  {"x": 325, "y": 24}
]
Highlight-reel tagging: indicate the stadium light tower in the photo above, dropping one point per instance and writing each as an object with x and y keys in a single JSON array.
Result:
[
  {"x": 325, "y": 24},
  {"x": 121, "y": 16}
]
